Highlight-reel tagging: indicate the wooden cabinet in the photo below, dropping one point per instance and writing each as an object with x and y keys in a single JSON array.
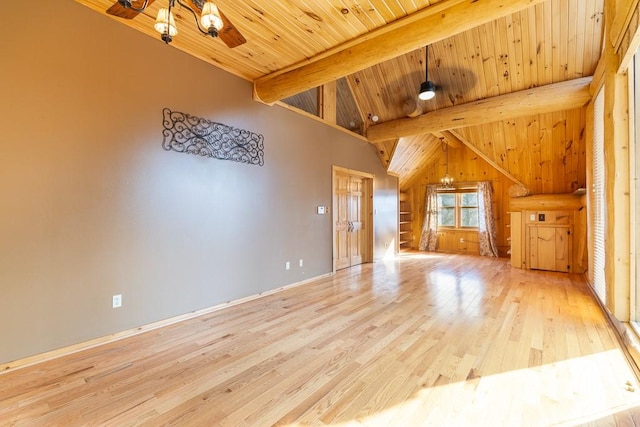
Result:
[
  {"x": 405, "y": 227},
  {"x": 542, "y": 232},
  {"x": 549, "y": 240}
]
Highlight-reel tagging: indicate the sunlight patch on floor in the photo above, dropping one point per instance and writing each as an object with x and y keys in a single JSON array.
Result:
[
  {"x": 423, "y": 255},
  {"x": 567, "y": 393}
]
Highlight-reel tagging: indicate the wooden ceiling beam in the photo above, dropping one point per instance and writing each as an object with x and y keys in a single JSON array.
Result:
[
  {"x": 561, "y": 96},
  {"x": 447, "y": 139},
  {"x": 431, "y": 24},
  {"x": 453, "y": 135}
]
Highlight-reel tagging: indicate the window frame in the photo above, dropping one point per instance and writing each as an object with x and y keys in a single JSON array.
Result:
[{"x": 457, "y": 208}]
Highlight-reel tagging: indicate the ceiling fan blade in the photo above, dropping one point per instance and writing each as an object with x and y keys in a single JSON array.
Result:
[
  {"x": 229, "y": 34},
  {"x": 124, "y": 12}
]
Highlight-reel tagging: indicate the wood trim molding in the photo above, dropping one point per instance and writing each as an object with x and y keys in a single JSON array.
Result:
[
  {"x": 321, "y": 120},
  {"x": 353, "y": 172}
]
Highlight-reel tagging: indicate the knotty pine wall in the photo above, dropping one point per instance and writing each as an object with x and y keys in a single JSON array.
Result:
[
  {"x": 546, "y": 152},
  {"x": 464, "y": 166},
  {"x": 93, "y": 206}
]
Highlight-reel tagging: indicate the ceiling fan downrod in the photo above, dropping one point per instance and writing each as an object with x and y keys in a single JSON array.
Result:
[{"x": 427, "y": 88}]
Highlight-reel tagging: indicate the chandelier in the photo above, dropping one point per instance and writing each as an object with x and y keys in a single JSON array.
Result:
[
  {"x": 210, "y": 22},
  {"x": 446, "y": 181}
]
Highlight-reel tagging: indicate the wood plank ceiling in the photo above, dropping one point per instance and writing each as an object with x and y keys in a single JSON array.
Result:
[{"x": 544, "y": 42}]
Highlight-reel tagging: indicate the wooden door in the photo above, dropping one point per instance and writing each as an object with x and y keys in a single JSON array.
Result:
[
  {"x": 341, "y": 226},
  {"x": 350, "y": 228},
  {"x": 356, "y": 220},
  {"x": 549, "y": 248}
]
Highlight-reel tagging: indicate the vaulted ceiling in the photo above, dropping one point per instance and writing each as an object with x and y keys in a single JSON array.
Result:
[{"x": 369, "y": 56}]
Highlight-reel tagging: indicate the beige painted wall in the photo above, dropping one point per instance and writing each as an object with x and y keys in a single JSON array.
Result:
[{"x": 91, "y": 205}]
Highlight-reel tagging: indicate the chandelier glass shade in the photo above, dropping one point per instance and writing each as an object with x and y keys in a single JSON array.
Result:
[
  {"x": 210, "y": 16},
  {"x": 210, "y": 22},
  {"x": 165, "y": 23}
]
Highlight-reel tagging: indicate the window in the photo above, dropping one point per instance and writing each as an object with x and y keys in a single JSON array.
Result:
[
  {"x": 458, "y": 210},
  {"x": 634, "y": 155},
  {"x": 599, "y": 206}
]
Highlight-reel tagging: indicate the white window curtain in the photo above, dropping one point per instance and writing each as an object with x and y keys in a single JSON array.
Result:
[
  {"x": 430, "y": 225},
  {"x": 487, "y": 235}
]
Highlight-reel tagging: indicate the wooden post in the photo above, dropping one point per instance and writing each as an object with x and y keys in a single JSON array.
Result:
[
  {"x": 327, "y": 102},
  {"x": 616, "y": 154},
  {"x": 589, "y": 182}
]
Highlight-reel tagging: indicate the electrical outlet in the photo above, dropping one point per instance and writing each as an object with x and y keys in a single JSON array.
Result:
[
  {"x": 116, "y": 301},
  {"x": 300, "y": 263},
  {"x": 287, "y": 265}
]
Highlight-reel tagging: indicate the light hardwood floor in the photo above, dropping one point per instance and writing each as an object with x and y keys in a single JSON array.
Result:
[{"x": 419, "y": 340}]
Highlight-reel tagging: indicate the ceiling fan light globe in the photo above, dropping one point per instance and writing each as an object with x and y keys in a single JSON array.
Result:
[
  {"x": 165, "y": 23},
  {"x": 210, "y": 17},
  {"x": 427, "y": 91}
]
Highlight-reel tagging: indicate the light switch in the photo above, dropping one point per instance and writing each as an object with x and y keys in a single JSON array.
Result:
[
  {"x": 532, "y": 217},
  {"x": 321, "y": 210}
]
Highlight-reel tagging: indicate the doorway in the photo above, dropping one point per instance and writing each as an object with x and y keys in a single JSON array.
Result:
[{"x": 352, "y": 218}]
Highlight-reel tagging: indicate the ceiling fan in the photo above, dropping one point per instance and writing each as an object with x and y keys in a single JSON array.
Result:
[{"x": 212, "y": 21}]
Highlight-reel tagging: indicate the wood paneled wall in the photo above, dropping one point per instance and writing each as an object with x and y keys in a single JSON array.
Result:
[
  {"x": 464, "y": 166},
  {"x": 546, "y": 152}
]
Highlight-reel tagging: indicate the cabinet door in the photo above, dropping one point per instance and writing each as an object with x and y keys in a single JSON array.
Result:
[
  {"x": 549, "y": 248},
  {"x": 563, "y": 249}
]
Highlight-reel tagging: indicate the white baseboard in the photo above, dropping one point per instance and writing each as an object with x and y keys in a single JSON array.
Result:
[{"x": 74, "y": 348}]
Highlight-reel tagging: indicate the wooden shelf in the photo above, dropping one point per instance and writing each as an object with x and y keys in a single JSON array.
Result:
[{"x": 405, "y": 223}]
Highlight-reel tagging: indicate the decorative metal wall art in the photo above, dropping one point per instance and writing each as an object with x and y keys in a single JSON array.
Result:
[{"x": 185, "y": 133}]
